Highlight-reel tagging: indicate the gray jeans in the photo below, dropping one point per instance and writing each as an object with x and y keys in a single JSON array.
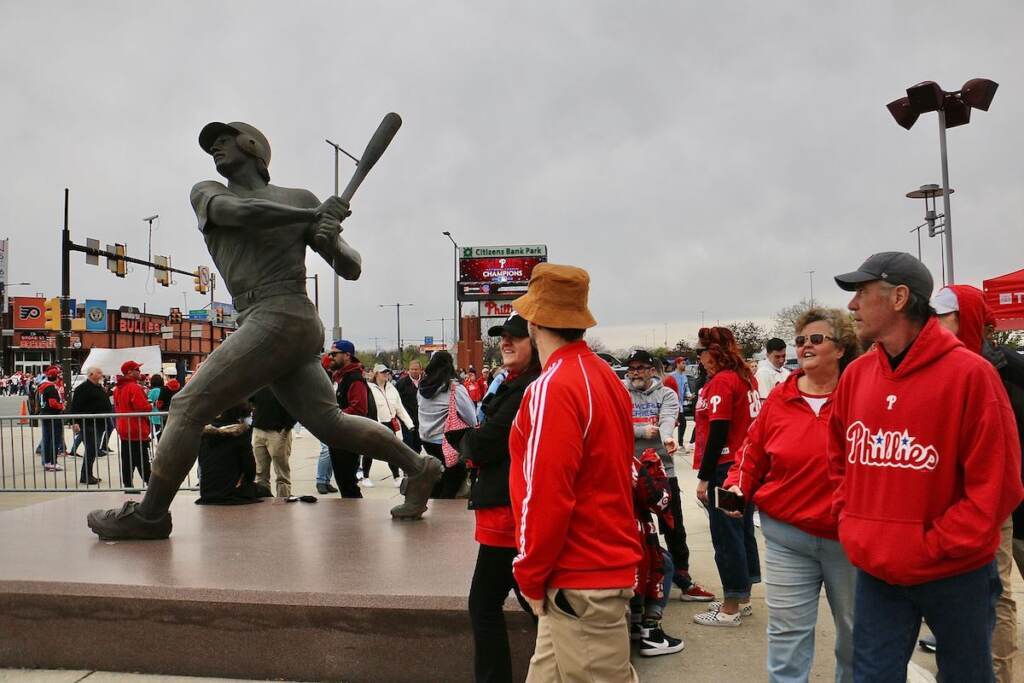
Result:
[{"x": 278, "y": 343}]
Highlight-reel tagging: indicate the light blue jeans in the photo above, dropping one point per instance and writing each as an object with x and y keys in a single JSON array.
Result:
[
  {"x": 324, "y": 470},
  {"x": 796, "y": 566}
]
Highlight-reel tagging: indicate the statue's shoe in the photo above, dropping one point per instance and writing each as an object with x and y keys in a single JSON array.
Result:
[
  {"x": 128, "y": 524},
  {"x": 417, "y": 490}
]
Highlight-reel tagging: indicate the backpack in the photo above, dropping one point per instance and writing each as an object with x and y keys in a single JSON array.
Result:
[{"x": 343, "y": 387}]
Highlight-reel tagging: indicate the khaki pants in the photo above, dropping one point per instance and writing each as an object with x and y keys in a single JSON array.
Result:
[
  {"x": 1004, "y": 636},
  {"x": 271, "y": 446},
  {"x": 591, "y": 646}
]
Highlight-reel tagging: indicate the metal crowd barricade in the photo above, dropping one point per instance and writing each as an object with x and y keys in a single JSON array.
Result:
[{"x": 24, "y": 452}]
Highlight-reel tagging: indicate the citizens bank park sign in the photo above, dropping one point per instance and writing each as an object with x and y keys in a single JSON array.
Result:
[{"x": 497, "y": 273}]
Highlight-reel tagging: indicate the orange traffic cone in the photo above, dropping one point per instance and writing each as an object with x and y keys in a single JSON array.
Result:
[{"x": 24, "y": 413}]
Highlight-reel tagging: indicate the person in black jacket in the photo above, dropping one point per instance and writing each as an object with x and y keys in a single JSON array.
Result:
[
  {"x": 226, "y": 461},
  {"x": 407, "y": 388},
  {"x": 90, "y": 398},
  {"x": 485, "y": 451}
]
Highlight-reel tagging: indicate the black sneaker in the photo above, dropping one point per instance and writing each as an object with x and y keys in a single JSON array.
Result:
[
  {"x": 127, "y": 524},
  {"x": 654, "y": 641}
]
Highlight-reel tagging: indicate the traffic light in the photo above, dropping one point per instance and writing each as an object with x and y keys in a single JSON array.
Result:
[
  {"x": 51, "y": 314},
  {"x": 163, "y": 275},
  {"x": 202, "y": 279},
  {"x": 78, "y": 325},
  {"x": 120, "y": 265}
]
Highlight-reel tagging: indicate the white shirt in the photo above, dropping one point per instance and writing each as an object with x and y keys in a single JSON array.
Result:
[{"x": 768, "y": 376}]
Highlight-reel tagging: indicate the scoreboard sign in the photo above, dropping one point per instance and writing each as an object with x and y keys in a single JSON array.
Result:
[{"x": 497, "y": 273}]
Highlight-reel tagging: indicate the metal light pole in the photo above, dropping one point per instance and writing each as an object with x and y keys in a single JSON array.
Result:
[
  {"x": 337, "y": 286},
  {"x": 954, "y": 109},
  {"x": 947, "y": 228},
  {"x": 441, "y": 320},
  {"x": 931, "y": 217},
  {"x": 398, "y": 322},
  {"x": 455, "y": 320},
  {"x": 150, "y": 219},
  {"x": 810, "y": 276}
]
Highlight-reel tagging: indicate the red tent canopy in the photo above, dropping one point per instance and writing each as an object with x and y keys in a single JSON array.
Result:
[{"x": 1005, "y": 296}]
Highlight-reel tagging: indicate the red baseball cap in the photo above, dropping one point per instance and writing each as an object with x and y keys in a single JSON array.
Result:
[{"x": 128, "y": 366}]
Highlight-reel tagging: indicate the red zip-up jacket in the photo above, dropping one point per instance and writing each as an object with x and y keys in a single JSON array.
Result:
[
  {"x": 129, "y": 397},
  {"x": 783, "y": 467},
  {"x": 926, "y": 459},
  {"x": 570, "y": 481}
]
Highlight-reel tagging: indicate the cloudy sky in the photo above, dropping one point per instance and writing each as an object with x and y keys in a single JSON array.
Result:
[{"x": 692, "y": 156}]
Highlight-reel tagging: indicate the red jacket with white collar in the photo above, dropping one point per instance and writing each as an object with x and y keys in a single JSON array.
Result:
[
  {"x": 782, "y": 465},
  {"x": 926, "y": 458},
  {"x": 570, "y": 481}
]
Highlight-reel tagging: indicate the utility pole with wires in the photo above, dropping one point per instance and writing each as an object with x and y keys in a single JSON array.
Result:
[{"x": 398, "y": 320}]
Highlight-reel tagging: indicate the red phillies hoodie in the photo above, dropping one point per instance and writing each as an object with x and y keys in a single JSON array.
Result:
[
  {"x": 927, "y": 460},
  {"x": 570, "y": 479},
  {"x": 782, "y": 465}
]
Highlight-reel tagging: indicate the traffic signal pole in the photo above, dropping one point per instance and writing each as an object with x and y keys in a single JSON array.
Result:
[
  {"x": 63, "y": 336},
  {"x": 67, "y": 246}
]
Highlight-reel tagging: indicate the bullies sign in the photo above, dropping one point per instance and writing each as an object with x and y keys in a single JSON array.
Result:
[{"x": 28, "y": 312}]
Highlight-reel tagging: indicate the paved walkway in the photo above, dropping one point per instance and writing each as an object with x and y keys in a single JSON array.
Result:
[{"x": 736, "y": 654}]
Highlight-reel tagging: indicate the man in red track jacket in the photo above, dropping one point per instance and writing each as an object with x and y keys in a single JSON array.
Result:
[
  {"x": 133, "y": 432},
  {"x": 923, "y": 446},
  {"x": 570, "y": 484}
]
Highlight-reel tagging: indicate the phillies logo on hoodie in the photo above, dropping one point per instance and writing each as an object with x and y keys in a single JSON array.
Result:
[{"x": 888, "y": 449}]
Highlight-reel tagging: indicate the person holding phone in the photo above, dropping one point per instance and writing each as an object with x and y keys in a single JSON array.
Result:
[
  {"x": 726, "y": 406},
  {"x": 783, "y": 468}
]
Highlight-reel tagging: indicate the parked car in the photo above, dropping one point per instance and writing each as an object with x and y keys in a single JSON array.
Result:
[{"x": 616, "y": 364}]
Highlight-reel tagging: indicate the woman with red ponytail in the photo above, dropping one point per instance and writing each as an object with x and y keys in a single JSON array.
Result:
[{"x": 726, "y": 406}]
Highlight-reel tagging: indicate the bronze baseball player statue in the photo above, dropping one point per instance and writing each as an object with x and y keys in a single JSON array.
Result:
[{"x": 257, "y": 234}]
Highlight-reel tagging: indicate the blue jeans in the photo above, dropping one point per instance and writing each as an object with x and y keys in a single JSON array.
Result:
[
  {"x": 796, "y": 565},
  {"x": 324, "y": 471},
  {"x": 736, "y": 554},
  {"x": 960, "y": 610},
  {"x": 53, "y": 438}
]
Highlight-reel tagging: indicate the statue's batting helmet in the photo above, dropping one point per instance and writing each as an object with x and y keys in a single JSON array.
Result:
[{"x": 248, "y": 138}]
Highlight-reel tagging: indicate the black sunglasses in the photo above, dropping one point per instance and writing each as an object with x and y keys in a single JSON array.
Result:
[{"x": 813, "y": 338}]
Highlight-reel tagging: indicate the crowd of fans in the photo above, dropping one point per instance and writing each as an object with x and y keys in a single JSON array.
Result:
[{"x": 901, "y": 502}]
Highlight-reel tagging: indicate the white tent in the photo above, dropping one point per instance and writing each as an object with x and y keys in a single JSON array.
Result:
[{"x": 110, "y": 360}]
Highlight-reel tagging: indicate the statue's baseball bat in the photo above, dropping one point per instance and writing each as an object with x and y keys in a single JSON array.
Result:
[{"x": 374, "y": 149}]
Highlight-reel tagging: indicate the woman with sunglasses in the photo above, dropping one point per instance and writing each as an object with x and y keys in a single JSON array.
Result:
[
  {"x": 726, "y": 406},
  {"x": 782, "y": 468}
]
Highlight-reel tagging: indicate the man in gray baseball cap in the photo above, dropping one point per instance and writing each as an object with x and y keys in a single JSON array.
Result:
[
  {"x": 922, "y": 439},
  {"x": 894, "y": 268}
]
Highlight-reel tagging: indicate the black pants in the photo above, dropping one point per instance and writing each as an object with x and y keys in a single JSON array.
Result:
[
  {"x": 675, "y": 538},
  {"x": 134, "y": 457},
  {"x": 492, "y": 580},
  {"x": 345, "y": 464},
  {"x": 452, "y": 478},
  {"x": 368, "y": 461},
  {"x": 91, "y": 433}
]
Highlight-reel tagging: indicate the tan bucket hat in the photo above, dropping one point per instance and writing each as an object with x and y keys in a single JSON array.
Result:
[{"x": 557, "y": 297}]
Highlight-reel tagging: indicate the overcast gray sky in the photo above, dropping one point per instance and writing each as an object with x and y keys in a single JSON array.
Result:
[{"x": 692, "y": 156}]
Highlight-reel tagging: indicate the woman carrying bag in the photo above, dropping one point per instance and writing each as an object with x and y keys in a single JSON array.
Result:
[
  {"x": 389, "y": 411},
  {"x": 439, "y": 389}
]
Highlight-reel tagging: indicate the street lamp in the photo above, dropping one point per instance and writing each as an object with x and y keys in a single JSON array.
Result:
[
  {"x": 928, "y": 193},
  {"x": 398, "y": 320},
  {"x": 337, "y": 287},
  {"x": 954, "y": 109},
  {"x": 455, "y": 322}
]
